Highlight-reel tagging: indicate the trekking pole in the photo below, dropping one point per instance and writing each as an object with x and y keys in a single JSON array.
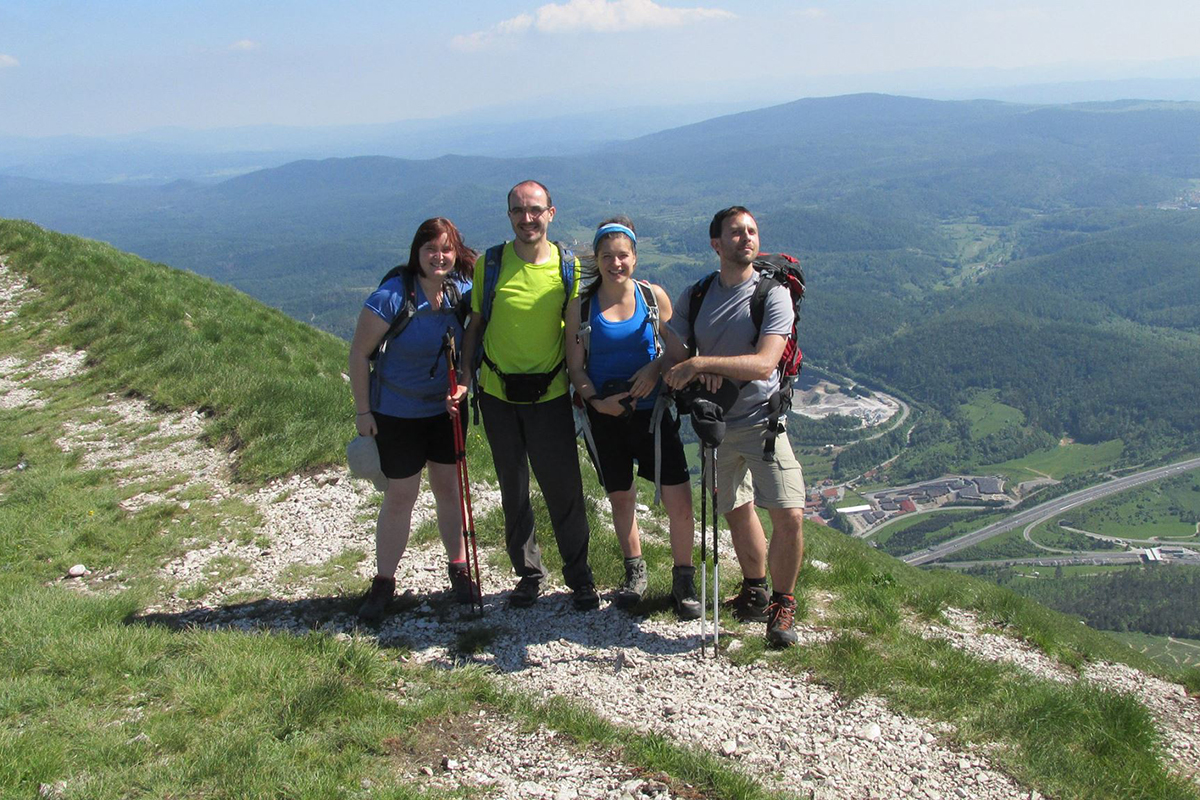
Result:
[
  {"x": 464, "y": 482},
  {"x": 703, "y": 542},
  {"x": 712, "y": 454}
]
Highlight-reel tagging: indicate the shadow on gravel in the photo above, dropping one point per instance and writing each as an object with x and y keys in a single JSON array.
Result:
[{"x": 449, "y": 634}]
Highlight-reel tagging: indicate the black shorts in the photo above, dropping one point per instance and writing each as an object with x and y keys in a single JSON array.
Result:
[
  {"x": 406, "y": 444},
  {"x": 622, "y": 441}
]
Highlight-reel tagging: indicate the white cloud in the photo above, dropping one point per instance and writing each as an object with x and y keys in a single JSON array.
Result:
[
  {"x": 596, "y": 16},
  {"x": 8, "y": 61},
  {"x": 245, "y": 45}
]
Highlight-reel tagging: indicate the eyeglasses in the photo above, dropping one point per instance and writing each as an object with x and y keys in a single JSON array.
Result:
[{"x": 533, "y": 211}]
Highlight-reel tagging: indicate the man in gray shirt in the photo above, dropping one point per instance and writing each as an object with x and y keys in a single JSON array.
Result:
[{"x": 728, "y": 345}]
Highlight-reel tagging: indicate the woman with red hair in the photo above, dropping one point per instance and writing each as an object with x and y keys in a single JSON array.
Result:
[{"x": 401, "y": 401}]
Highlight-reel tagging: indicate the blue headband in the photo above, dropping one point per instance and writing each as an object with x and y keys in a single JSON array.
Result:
[{"x": 612, "y": 227}]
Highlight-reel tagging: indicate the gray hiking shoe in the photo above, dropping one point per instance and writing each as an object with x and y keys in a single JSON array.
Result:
[
  {"x": 750, "y": 604},
  {"x": 634, "y": 586},
  {"x": 683, "y": 592},
  {"x": 377, "y": 600}
]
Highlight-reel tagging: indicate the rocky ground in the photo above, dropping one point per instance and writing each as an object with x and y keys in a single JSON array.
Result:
[{"x": 788, "y": 732}]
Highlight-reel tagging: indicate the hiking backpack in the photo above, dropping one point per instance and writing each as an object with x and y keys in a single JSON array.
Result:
[
  {"x": 776, "y": 269},
  {"x": 492, "y": 262},
  {"x": 406, "y": 312}
]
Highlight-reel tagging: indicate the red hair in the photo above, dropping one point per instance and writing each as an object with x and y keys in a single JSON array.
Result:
[{"x": 430, "y": 229}]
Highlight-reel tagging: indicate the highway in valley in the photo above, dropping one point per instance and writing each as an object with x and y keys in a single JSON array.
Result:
[{"x": 1050, "y": 508}]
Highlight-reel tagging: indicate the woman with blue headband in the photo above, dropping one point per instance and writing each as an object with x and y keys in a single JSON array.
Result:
[{"x": 614, "y": 358}]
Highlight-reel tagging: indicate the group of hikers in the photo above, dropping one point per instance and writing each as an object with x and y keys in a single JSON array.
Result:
[{"x": 540, "y": 321}]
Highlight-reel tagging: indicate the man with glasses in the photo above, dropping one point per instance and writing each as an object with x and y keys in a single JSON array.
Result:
[{"x": 523, "y": 394}]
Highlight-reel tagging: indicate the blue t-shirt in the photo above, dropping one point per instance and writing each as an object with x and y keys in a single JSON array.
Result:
[
  {"x": 401, "y": 384},
  {"x": 616, "y": 350}
]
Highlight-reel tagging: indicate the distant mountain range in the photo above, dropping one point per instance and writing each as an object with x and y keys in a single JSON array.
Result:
[
  {"x": 166, "y": 155},
  {"x": 919, "y": 221}
]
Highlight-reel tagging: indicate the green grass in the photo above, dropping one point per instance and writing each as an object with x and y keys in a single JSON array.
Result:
[
  {"x": 1051, "y": 534},
  {"x": 115, "y": 707},
  {"x": 1167, "y": 510},
  {"x": 1068, "y": 570},
  {"x": 1062, "y": 461},
  {"x": 988, "y": 415},
  {"x": 918, "y": 531},
  {"x": 183, "y": 340},
  {"x": 817, "y": 463},
  {"x": 98, "y": 695},
  {"x": 1069, "y": 740},
  {"x": 1175, "y": 654},
  {"x": 1010, "y": 544}
]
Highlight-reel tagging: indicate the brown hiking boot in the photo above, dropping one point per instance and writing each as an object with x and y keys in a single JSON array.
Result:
[
  {"x": 378, "y": 598},
  {"x": 465, "y": 590},
  {"x": 750, "y": 604},
  {"x": 781, "y": 620}
]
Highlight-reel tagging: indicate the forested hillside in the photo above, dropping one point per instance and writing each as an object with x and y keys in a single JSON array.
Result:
[{"x": 951, "y": 247}]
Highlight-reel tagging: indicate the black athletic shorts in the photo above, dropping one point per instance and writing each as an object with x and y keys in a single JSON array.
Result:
[
  {"x": 406, "y": 444},
  {"x": 622, "y": 441}
]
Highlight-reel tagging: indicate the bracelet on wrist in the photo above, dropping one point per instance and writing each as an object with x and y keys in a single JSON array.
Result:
[{"x": 362, "y": 413}]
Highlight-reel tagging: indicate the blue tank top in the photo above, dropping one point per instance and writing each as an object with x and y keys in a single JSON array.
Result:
[{"x": 616, "y": 350}]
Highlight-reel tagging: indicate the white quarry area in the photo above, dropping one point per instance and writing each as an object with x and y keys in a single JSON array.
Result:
[{"x": 826, "y": 398}]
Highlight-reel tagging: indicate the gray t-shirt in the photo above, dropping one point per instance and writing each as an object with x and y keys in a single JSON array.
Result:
[{"x": 724, "y": 327}]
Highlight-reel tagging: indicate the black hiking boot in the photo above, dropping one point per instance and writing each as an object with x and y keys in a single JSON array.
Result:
[
  {"x": 634, "y": 586},
  {"x": 585, "y": 597},
  {"x": 750, "y": 604},
  {"x": 781, "y": 620},
  {"x": 378, "y": 598},
  {"x": 526, "y": 592},
  {"x": 683, "y": 593},
  {"x": 465, "y": 590}
]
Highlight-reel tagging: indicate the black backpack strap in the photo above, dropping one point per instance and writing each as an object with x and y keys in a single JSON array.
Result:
[
  {"x": 584, "y": 336},
  {"x": 404, "y": 314},
  {"x": 695, "y": 300}
]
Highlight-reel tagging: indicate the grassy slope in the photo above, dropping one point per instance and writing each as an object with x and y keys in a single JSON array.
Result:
[{"x": 228, "y": 714}]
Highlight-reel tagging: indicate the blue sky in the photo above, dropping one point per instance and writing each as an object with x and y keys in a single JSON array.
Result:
[{"x": 108, "y": 67}]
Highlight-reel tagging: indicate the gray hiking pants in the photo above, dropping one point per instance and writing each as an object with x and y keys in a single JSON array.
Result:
[{"x": 541, "y": 435}]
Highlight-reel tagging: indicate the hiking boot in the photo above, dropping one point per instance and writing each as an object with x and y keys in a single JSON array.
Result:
[
  {"x": 526, "y": 592},
  {"x": 465, "y": 590},
  {"x": 634, "y": 586},
  {"x": 585, "y": 598},
  {"x": 377, "y": 599},
  {"x": 781, "y": 620},
  {"x": 683, "y": 593},
  {"x": 750, "y": 604}
]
